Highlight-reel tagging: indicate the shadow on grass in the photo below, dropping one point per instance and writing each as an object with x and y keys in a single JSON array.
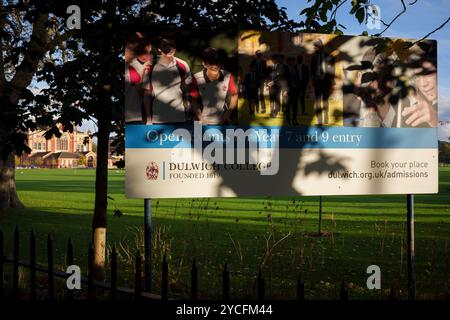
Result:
[{"x": 323, "y": 262}]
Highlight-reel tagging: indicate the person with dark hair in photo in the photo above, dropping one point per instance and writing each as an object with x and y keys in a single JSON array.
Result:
[
  {"x": 260, "y": 66},
  {"x": 383, "y": 103},
  {"x": 284, "y": 99},
  {"x": 293, "y": 87},
  {"x": 422, "y": 111},
  {"x": 375, "y": 86},
  {"x": 303, "y": 79},
  {"x": 322, "y": 75},
  {"x": 131, "y": 44},
  {"x": 169, "y": 82},
  {"x": 250, "y": 89},
  {"x": 274, "y": 82},
  {"x": 138, "y": 61},
  {"x": 214, "y": 92}
]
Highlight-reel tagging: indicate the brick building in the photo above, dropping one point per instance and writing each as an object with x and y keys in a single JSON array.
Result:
[{"x": 67, "y": 151}]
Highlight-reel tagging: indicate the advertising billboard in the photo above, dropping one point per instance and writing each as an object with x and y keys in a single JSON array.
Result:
[{"x": 254, "y": 113}]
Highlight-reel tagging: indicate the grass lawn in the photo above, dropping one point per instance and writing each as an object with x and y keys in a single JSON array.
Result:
[{"x": 246, "y": 233}]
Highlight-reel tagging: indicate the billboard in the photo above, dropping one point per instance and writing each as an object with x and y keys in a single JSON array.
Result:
[{"x": 254, "y": 113}]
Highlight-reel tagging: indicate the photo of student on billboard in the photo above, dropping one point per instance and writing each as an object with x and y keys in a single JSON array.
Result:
[
  {"x": 168, "y": 84},
  {"x": 288, "y": 79},
  {"x": 138, "y": 60},
  {"x": 391, "y": 92},
  {"x": 214, "y": 92},
  {"x": 316, "y": 111},
  {"x": 160, "y": 85}
]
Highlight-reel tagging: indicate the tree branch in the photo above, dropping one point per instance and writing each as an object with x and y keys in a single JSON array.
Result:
[
  {"x": 333, "y": 14},
  {"x": 430, "y": 33},
  {"x": 35, "y": 52},
  {"x": 388, "y": 25}
]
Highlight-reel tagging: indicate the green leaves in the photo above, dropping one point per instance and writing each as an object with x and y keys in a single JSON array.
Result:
[
  {"x": 389, "y": 47},
  {"x": 399, "y": 46},
  {"x": 359, "y": 10},
  {"x": 54, "y": 130},
  {"x": 360, "y": 14},
  {"x": 354, "y": 9},
  {"x": 321, "y": 15}
]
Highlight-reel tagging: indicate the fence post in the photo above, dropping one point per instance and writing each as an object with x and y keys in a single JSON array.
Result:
[
  {"x": 1, "y": 264},
  {"x": 32, "y": 266},
  {"x": 69, "y": 263},
  {"x": 51, "y": 276},
  {"x": 16, "y": 264},
  {"x": 114, "y": 274},
  {"x": 137, "y": 276},
  {"x": 194, "y": 281},
  {"x": 300, "y": 288},
  {"x": 260, "y": 286},
  {"x": 164, "y": 278},
  {"x": 344, "y": 291},
  {"x": 410, "y": 239},
  {"x": 226, "y": 283},
  {"x": 91, "y": 272}
]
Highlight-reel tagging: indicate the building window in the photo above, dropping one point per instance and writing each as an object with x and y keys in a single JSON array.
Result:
[{"x": 62, "y": 144}]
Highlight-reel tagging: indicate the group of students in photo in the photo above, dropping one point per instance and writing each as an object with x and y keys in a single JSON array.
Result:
[
  {"x": 160, "y": 89},
  {"x": 286, "y": 80}
]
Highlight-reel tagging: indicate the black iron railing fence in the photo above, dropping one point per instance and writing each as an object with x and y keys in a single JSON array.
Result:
[{"x": 111, "y": 287}]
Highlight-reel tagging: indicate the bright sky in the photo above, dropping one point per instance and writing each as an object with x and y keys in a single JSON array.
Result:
[{"x": 418, "y": 20}]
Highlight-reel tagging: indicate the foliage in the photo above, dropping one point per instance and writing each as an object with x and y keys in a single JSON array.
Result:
[
  {"x": 444, "y": 152},
  {"x": 30, "y": 29}
]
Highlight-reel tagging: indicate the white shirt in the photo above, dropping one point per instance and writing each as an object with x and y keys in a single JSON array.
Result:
[{"x": 168, "y": 105}]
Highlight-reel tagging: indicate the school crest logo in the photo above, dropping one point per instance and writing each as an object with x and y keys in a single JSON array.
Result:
[{"x": 152, "y": 171}]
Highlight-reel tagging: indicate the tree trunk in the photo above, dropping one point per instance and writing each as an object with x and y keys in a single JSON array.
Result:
[
  {"x": 104, "y": 128},
  {"x": 101, "y": 201},
  {"x": 13, "y": 90},
  {"x": 8, "y": 193}
]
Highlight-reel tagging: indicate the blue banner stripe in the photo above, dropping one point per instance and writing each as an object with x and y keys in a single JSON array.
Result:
[{"x": 163, "y": 136}]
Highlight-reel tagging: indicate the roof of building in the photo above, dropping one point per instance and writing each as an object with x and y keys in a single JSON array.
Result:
[
  {"x": 64, "y": 155},
  {"x": 76, "y": 130},
  {"x": 39, "y": 154}
]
